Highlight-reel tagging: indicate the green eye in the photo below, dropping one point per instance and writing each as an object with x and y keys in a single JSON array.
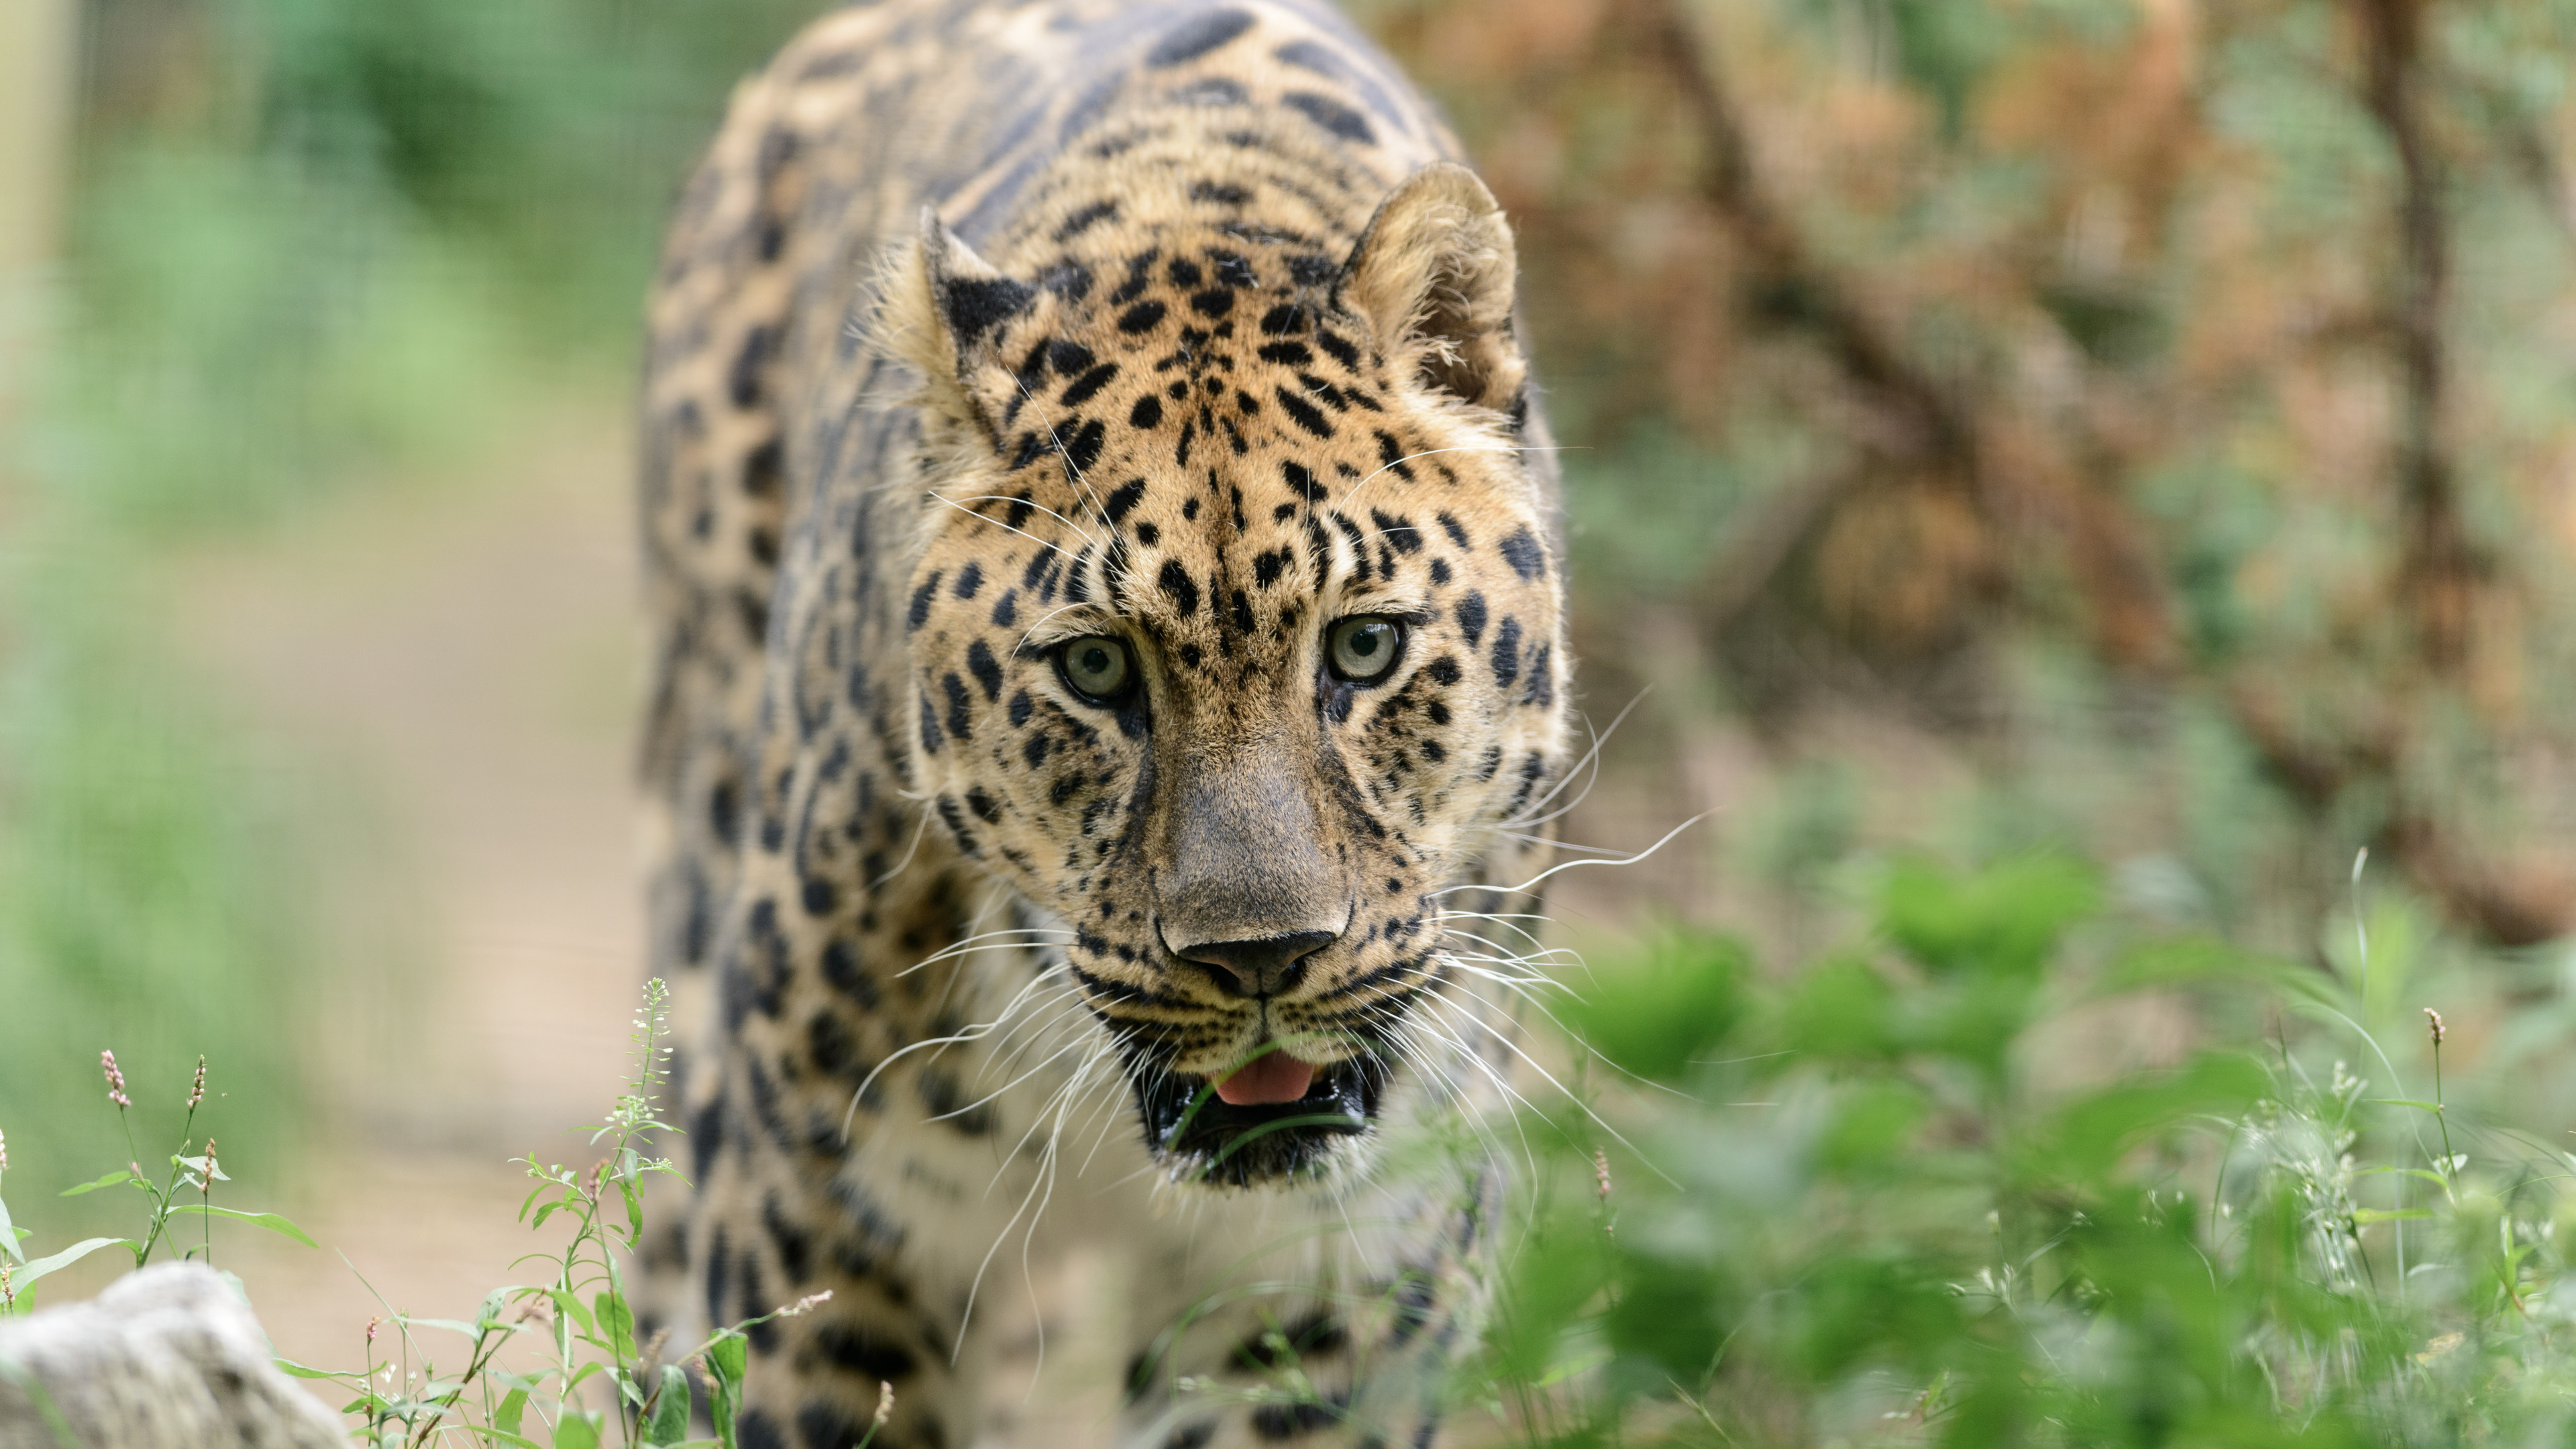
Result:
[
  {"x": 1363, "y": 647},
  {"x": 1096, "y": 666}
]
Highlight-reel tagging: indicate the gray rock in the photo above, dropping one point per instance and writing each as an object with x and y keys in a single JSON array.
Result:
[{"x": 167, "y": 1358}]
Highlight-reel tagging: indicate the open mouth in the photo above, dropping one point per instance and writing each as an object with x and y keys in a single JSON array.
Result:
[{"x": 1204, "y": 1137}]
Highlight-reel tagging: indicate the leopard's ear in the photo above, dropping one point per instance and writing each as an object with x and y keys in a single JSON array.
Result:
[
  {"x": 1434, "y": 274},
  {"x": 950, "y": 313}
]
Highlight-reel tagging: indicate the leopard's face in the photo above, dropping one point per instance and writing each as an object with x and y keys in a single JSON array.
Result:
[{"x": 1235, "y": 636}]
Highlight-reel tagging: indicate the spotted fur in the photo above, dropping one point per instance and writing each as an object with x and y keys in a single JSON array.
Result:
[{"x": 987, "y": 328}]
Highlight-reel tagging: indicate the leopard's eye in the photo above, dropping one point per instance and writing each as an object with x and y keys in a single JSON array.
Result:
[
  {"x": 1096, "y": 667},
  {"x": 1362, "y": 648}
]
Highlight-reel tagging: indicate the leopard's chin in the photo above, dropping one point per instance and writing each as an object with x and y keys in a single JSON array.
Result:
[{"x": 1203, "y": 1140}]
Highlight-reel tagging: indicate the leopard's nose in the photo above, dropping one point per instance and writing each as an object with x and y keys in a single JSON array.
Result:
[{"x": 1264, "y": 967}]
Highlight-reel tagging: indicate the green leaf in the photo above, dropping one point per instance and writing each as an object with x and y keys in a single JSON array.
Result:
[
  {"x": 577, "y": 1431},
  {"x": 468, "y": 1330},
  {"x": 1657, "y": 1021},
  {"x": 670, "y": 1421},
  {"x": 727, "y": 1354},
  {"x": 2387, "y": 1215},
  {"x": 9, "y": 1236},
  {"x": 110, "y": 1180},
  {"x": 616, "y": 1324},
  {"x": 304, "y": 1371},
  {"x": 514, "y": 1406},
  {"x": 65, "y": 1258},
  {"x": 270, "y": 1221},
  {"x": 2000, "y": 921},
  {"x": 570, "y": 1307}
]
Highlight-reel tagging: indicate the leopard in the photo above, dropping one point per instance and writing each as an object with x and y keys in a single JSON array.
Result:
[{"x": 1105, "y": 571}]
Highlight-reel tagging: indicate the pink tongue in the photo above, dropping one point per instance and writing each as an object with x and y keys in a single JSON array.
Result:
[{"x": 1267, "y": 1079}]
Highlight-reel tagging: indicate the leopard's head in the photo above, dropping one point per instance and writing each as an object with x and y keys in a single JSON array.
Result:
[{"x": 1236, "y": 633}]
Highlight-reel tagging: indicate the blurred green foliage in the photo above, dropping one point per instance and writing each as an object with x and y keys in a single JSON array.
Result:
[
  {"x": 312, "y": 245},
  {"x": 1889, "y": 1198}
]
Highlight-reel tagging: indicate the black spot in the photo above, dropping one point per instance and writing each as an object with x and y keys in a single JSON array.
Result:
[
  {"x": 1507, "y": 652},
  {"x": 742, "y": 384},
  {"x": 1343, "y": 352},
  {"x": 986, "y": 808},
  {"x": 1021, "y": 708},
  {"x": 1266, "y": 566},
  {"x": 1442, "y": 671},
  {"x": 1191, "y": 1436},
  {"x": 1232, "y": 270},
  {"x": 1197, "y": 36},
  {"x": 819, "y": 896},
  {"x": 1390, "y": 454},
  {"x": 1123, "y": 498},
  {"x": 752, "y": 1428},
  {"x": 1332, "y": 115},
  {"x": 1190, "y": 509},
  {"x": 1440, "y": 571},
  {"x": 1219, "y": 193},
  {"x": 1148, "y": 535},
  {"x": 1397, "y": 531},
  {"x": 1242, "y": 613},
  {"x": 1184, "y": 272},
  {"x": 827, "y": 1425},
  {"x": 763, "y": 468},
  {"x": 1522, "y": 552},
  {"x": 795, "y": 1244},
  {"x": 1083, "y": 449},
  {"x": 841, "y": 968},
  {"x": 1022, "y": 505},
  {"x": 1214, "y": 302},
  {"x": 1471, "y": 616},
  {"x": 1542, "y": 682},
  {"x": 1175, "y": 581},
  {"x": 976, "y": 305},
  {"x": 1287, "y": 1421},
  {"x": 1457, "y": 531},
  {"x": 724, "y": 812},
  {"x": 947, "y": 1100},
  {"x": 1085, "y": 219},
  {"x": 1006, "y": 609},
  {"x": 1304, "y": 413},
  {"x": 852, "y": 1346},
  {"x": 1091, "y": 382},
  {"x": 1035, "y": 750},
  {"x": 1284, "y": 318},
  {"x": 1288, "y": 354},
  {"x": 969, "y": 579},
  {"x": 1139, "y": 277},
  {"x": 706, "y": 1135},
  {"x": 919, "y": 613},
  {"x": 1141, "y": 318},
  {"x": 930, "y": 738},
  {"x": 1147, "y": 412},
  {"x": 987, "y": 672},
  {"x": 956, "y": 823},
  {"x": 1301, "y": 482}
]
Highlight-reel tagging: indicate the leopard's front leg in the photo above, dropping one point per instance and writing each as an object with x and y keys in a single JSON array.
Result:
[{"x": 1334, "y": 1327}]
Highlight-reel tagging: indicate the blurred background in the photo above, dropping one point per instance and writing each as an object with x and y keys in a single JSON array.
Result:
[{"x": 2141, "y": 426}]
